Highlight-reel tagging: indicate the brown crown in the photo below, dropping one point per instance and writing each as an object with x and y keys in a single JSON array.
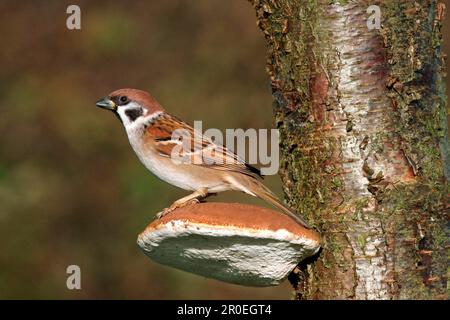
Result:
[{"x": 144, "y": 99}]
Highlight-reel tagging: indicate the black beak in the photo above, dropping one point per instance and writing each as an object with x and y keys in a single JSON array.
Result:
[{"x": 106, "y": 103}]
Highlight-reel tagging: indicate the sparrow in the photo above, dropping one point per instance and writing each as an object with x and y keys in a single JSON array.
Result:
[{"x": 151, "y": 133}]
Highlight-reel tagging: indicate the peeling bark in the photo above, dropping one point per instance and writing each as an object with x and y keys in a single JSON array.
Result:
[{"x": 364, "y": 142}]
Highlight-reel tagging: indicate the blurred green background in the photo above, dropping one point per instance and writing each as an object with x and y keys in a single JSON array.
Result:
[{"x": 71, "y": 189}]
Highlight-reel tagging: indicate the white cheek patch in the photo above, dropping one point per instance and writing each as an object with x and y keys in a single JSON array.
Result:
[
  {"x": 133, "y": 114},
  {"x": 130, "y": 113}
]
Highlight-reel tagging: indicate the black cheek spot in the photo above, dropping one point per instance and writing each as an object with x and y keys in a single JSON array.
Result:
[{"x": 133, "y": 114}]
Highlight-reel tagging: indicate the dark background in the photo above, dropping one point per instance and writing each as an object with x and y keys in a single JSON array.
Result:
[{"x": 71, "y": 189}]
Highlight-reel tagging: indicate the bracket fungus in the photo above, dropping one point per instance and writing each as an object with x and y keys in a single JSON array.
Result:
[{"x": 236, "y": 243}]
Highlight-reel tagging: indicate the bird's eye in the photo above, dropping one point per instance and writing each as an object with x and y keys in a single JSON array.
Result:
[{"x": 123, "y": 99}]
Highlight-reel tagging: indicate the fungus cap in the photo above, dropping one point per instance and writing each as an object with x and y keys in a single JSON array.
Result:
[{"x": 236, "y": 243}]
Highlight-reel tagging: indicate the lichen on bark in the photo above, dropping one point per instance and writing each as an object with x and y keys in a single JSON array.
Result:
[{"x": 364, "y": 142}]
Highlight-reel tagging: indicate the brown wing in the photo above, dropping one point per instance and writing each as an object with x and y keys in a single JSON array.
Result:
[{"x": 190, "y": 146}]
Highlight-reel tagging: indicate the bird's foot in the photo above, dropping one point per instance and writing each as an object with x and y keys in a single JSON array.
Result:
[{"x": 176, "y": 205}]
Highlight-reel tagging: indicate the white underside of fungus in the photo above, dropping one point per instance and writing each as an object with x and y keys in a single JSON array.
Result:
[{"x": 221, "y": 241}]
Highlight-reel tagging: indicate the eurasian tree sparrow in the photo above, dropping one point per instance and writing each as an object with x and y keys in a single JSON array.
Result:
[{"x": 150, "y": 130}]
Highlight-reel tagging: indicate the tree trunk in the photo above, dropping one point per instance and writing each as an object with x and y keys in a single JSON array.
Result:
[{"x": 364, "y": 143}]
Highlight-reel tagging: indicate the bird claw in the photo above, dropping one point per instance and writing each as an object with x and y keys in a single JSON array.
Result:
[
  {"x": 175, "y": 206},
  {"x": 161, "y": 214}
]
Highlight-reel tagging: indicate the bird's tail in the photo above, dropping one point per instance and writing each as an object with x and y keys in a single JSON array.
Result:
[{"x": 262, "y": 192}]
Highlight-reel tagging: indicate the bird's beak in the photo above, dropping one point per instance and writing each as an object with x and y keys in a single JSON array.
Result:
[{"x": 106, "y": 103}]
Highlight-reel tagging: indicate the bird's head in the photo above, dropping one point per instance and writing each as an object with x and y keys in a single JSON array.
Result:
[{"x": 130, "y": 105}]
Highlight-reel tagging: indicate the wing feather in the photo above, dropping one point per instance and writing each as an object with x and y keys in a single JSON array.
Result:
[{"x": 195, "y": 148}]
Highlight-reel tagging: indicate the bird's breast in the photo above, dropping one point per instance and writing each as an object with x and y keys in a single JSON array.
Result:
[{"x": 185, "y": 176}]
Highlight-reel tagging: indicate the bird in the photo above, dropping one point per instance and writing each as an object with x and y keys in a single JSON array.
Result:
[{"x": 157, "y": 136}]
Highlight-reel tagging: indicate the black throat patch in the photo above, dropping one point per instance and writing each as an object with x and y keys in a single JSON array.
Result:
[{"x": 134, "y": 113}]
